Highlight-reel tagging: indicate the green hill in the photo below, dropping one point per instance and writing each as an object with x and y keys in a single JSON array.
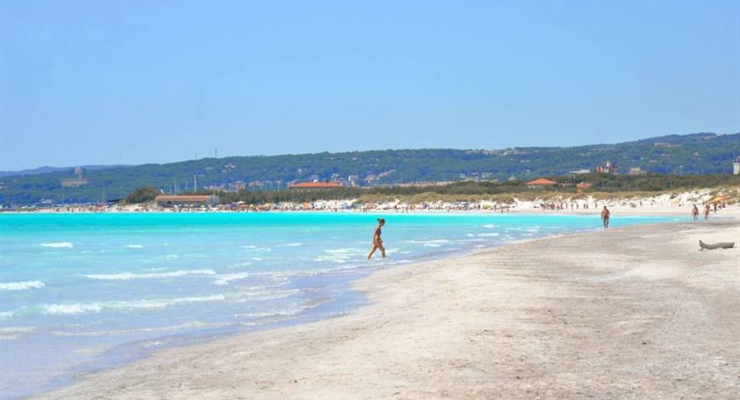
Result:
[{"x": 703, "y": 153}]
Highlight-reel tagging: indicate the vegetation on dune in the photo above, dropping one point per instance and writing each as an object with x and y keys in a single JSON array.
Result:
[
  {"x": 603, "y": 186},
  {"x": 141, "y": 195}
]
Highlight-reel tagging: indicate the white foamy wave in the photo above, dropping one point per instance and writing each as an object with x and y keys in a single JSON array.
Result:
[
  {"x": 340, "y": 256},
  {"x": 429, "y": 243},
  {"x": 130, "y": 275},
  {"x": 297, "y": 244},
  {"x": 22, "y": 285},
  {"x": 257, "y": 249},
  {"x": 348, "y": 250},
  {"x": 435, "y": 243},
  {"x": 286, "y": 313},
  {"x": 71, "y": 309},
  {"x": 16, "y": 329},
  {"x": 88, "y": 308},
  {"x": 263, "y": 295},
  {"x": 134, "y": 246},
  {"x": 351, "y": 268},
  {"x": 226, "y": 279},
  {"x": 278, "y": 279},
  {"x": 14, "y": 333},
  {"x": 189, "y": 325},
  {"x": 5, "y": 315},
  {"x": 289, "y": 311},
  {"x": 340, "y": 260},
  {"x": 489, "y": 226},
  {"x": 60, "y": 245},
  {"x": 162, "y": 303},
  {"x": 488, "y": 234},
  {"x": 240, "y": 265}
]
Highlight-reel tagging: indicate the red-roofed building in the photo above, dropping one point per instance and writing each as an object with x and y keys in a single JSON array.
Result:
[
  {"x": 315, "y": 186},
  {"x": 540, "y": 183}
]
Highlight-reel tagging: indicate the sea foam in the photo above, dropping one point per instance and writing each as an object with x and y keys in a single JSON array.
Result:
[
  {"x": 14, "y": 333},
  {"x": 58, "y": 245},
  {"x": 22, "y": 285},
  {"x": 226, "y": 279},
  {"x": 185, "y": 326},
  {"x": 96, "y": 307},
  {"x": 130, "y": 275}
]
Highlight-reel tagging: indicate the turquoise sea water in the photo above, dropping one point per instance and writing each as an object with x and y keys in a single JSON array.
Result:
[{"x": 84, "y": 292}]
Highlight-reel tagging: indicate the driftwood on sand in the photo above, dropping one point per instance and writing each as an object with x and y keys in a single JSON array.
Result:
[{"x": 712, "y": 246}]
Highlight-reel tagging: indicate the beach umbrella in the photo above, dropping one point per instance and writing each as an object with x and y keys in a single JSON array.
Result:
[{"x": 719, "y": 198}]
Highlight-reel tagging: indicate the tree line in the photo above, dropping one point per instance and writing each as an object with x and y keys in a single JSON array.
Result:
[{"x": 565, "y": 185}]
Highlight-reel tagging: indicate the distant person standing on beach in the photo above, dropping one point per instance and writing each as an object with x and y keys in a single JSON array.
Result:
[
  {"x": 695, "y": 212},
  {"x": 605, "y": 214},
  {"x": 707, "y": 209},
  {"x": 377, "y": 241}
]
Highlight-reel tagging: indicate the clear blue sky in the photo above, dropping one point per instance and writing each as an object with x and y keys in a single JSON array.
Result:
[{"x": 133, "y": 82}]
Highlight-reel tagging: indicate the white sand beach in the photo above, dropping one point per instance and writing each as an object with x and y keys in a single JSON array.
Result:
[{"x": 626, "y": 313}]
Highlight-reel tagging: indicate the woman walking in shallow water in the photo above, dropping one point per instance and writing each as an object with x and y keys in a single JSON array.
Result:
[
  {"x": 377, "y": 241},
  {"x": 605, "y": 215}
]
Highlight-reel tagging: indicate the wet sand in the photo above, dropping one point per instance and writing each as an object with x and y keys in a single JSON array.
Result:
[{"x": 627, "y": 313}]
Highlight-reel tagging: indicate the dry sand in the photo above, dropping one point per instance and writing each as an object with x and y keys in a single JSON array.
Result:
[{"x": 628, "y": 313}]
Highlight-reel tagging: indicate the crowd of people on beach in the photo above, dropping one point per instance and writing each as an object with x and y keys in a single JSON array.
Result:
[{"x": 392, "y": 206}]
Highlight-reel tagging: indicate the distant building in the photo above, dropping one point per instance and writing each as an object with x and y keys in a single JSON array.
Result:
[
  {"x": 75, "y": 182},
  {"x": 237, "y": 186},
  {"x": 736, "y": 166},
  {"x": 353, "y": 179},
  {"x": 637, "y": 171},
  {"x": 608, "y": 168},
  {"x": 315, "y": 185},
  {"x": 540, "y": 183},
  {"x": 265, "y": 185}
]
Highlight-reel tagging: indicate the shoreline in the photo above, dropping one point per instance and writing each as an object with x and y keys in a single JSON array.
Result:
[
  {"x": 659, "y": 203},
  {"x": 659, "y": 210},
  {"x": 442, "y": 316}
]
